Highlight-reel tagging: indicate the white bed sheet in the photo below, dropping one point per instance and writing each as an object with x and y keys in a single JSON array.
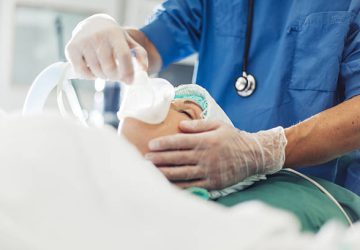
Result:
[{"x": 63, "y": 186}]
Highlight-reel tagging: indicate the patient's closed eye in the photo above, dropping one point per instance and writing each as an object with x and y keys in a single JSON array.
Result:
[
  {"x": 187, "y": 113},
  {"x": 188, "y": 108}
]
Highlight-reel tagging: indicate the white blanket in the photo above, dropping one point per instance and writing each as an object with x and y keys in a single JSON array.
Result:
[{"x": 63, "y": 186}]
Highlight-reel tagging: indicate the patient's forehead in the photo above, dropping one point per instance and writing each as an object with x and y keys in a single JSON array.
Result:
[{"x": 187, "y": 102}]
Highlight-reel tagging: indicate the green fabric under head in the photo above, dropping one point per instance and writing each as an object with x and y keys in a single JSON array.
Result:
[
  {"x": 298, "y": 196},
  {"x": 200, "y": 192}
]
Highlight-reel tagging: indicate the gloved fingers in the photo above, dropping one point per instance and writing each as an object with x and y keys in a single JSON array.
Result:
[
  {"x": 138, "y": 52},
  {"x": 183, "y": 173},
  {"x": 178, "y": 157},
  {"x": 201, "y": 183},
  {"x": 123, "y": 60},
  {"x": 92, "y": 62},
  {"x": 75, "y": 57},
  {"x": 198, "y": 126},
  {"x": 175, "y": 142},
  {"x": 106, "y": 59}
]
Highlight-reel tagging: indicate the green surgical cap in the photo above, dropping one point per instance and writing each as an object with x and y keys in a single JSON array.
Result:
[
  {"x": 211, "y": 111},
  {"x": 198, "y": 98}
]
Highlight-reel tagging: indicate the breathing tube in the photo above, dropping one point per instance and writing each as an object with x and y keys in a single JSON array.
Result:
[
  {"x": 146, "y": 99},
  {"x": 57, "y": 75}
]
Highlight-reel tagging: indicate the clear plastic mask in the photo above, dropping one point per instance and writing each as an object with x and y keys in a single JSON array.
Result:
[{"x": 146, "y": 99}]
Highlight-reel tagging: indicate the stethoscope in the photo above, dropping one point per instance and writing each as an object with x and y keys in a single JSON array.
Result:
[{"x": 246, "y": 84}]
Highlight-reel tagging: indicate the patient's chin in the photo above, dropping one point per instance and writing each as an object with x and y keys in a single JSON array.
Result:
[
  {"x": 136, "y": 132},
  {"x": 140, "y": 133},
  {"x": 140, "y": 145}
]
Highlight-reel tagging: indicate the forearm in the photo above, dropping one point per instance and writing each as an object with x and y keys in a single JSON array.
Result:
[
  {"x": 155, "y": 61},
  {"x": 325, "y": 136}
]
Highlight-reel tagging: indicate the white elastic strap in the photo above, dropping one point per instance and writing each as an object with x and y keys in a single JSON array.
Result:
[
  {"x": 64, "y": 85},
  {"x": 322, "y": 189},
  {"x": 55, "y": 75},
  {"x": 42, "y": 86}
]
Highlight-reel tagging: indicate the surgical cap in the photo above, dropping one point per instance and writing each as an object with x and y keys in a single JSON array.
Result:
[{"x": 211, "y": 110}]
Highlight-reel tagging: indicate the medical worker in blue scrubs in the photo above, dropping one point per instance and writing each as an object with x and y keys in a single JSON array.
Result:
[{"x": 297, "y": 105}]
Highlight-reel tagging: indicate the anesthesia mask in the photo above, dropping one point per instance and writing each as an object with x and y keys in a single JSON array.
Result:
[{"x": 146, "y": 99}]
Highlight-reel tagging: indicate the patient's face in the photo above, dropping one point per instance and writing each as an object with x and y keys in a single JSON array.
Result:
[{"x": 140, "y": 133}]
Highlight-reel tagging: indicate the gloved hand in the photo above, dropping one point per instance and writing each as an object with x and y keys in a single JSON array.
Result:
[
  {"x": 215, "y": 155},
  {"x": 100, "y": 48}
]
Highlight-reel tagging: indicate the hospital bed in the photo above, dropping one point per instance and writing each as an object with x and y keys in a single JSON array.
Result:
[{"x": 86, "y": 188}]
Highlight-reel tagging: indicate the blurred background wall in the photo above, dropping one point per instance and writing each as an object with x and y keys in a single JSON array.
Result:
[{"x": 33, "y": 34}]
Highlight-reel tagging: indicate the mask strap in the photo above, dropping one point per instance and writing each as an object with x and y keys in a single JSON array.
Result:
[{"x": 64, "y": 86}]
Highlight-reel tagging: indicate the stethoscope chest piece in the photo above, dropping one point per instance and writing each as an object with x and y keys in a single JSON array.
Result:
[{"x": 245, "y": 85}]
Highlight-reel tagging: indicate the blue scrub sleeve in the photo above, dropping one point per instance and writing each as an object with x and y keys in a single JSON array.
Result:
[
  {"x": 350, "y": 66},
  {"x": 175, "y": 29}
]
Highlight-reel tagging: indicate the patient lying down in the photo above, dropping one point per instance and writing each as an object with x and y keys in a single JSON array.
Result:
[
  {"x": 191, "y": 102},
  {"x": 65, "y": 186}
]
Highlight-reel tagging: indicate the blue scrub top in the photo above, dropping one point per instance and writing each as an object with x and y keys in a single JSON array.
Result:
[{"x": 304, "y": 54}]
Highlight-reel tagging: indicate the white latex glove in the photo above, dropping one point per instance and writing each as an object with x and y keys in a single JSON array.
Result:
[
  {"x": 100, "y": 48},
  {"x": 215, "y": 155}
]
